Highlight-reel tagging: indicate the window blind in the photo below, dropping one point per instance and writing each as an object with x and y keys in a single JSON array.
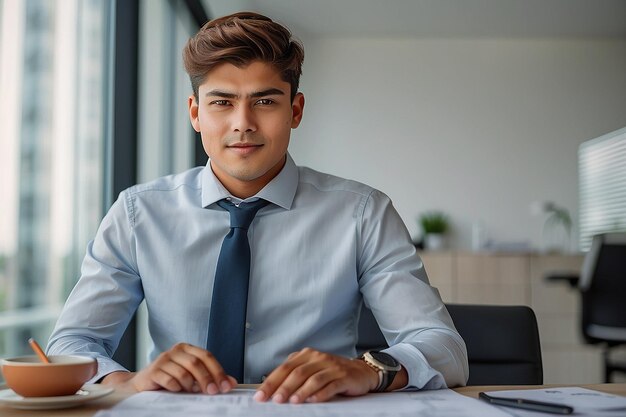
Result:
[{"x": 602, "y": 186}]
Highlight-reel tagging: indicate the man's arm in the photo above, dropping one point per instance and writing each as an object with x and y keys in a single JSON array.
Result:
[
  {"x": 106, "y": 296},
  {"x": 409, "y": 312},
  {"x": 412, "y": 316},
  {"x": 102, "y": 303}
]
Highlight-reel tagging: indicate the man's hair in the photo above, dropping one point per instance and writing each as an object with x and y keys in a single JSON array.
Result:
[{"x": 240, "y": 39}]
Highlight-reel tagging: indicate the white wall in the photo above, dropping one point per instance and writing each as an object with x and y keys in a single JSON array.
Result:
[{"x": 478, "y": 128}]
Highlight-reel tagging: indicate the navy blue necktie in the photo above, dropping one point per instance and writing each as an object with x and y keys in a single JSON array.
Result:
[{"x": 227, "y": 322}]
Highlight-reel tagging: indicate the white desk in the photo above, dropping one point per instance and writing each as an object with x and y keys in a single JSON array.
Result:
[{"x": 90, "y": 409}]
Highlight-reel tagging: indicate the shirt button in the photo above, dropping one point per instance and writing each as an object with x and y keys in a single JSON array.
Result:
[{"x": 248, "y": 325}]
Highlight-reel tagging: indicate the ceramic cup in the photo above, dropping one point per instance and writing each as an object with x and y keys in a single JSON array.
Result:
[{"x": 64, "y": 375}]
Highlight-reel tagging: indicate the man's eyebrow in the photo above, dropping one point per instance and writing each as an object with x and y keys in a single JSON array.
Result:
[
  {"x": 256, "y": 94},
  {"x": 268, "y": 92},
  {"x": 219, "y": 93}
]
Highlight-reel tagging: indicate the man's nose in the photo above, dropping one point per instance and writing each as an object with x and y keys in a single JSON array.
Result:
[{"x": 244, "y": 119}]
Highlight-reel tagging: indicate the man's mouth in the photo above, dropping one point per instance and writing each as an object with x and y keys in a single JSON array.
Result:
[{"x": 244, "y": 148}]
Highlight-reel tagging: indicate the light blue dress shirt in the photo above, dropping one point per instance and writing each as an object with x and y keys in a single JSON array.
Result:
[{"x": 325, "y": 245}]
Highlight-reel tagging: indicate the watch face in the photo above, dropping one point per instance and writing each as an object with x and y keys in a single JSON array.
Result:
[{"x": 384, "y": 358}]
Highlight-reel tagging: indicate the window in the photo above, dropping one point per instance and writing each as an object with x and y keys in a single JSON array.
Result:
[
  {"x": 53, "y": 78},
  {"x": 60, "y": 167},
  {"x": 602, "y": 186},
  {"x": 166, "y": 138}
]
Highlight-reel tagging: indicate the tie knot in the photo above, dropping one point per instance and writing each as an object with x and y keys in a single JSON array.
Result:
[{"x": 241, "y": 216}]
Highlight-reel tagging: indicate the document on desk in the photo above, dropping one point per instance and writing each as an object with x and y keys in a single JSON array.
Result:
[
  {"x": 586, "y": 402},
  {"x": 239, "y": 403}
]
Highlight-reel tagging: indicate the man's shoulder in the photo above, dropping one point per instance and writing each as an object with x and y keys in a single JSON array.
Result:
[
  {"x": 187, "y": 181},
  {"x": 324, "y": 182}
]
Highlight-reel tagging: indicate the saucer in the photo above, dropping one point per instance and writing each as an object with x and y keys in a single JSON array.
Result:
[{"x": 86, "y": 394}]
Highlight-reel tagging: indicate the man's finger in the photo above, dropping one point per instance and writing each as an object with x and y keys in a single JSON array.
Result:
[
  {"x": 295, "y": 379},
  {"x": 165, "y": 380},
  {"x": 180, "y": 374},
  {"x": 208, "y": 371},
  {"x": 329, "y": 391},
  {"x": 290, "y": 375},
  {"x": 314, "y": 385},
  {"x": 197, "y": 369}
]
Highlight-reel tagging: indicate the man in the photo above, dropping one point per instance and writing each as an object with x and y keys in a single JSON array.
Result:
[{"x": 313, "y": 248}]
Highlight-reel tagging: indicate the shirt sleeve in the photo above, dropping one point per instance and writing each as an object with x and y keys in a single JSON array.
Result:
[
  {"x": 410, "y": 313},
  {"x": 106, "y": 296}
]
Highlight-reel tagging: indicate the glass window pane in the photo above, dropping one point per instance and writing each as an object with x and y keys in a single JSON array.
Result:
[
  {"x": 165, "y": 133},
  {"x": 166, "y": 138},
  {"x": 602, "y": 186},
  {"x": 53, "y": 83}
]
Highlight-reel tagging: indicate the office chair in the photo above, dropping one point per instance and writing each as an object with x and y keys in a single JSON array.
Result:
[
  {"x": 502, "y": 342},
  {"x": 602, "y": 286}
]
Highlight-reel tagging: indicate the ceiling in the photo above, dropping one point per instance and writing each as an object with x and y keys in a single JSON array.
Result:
[{"x": 439, "y": 18}]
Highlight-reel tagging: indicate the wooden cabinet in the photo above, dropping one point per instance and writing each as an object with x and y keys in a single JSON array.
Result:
[
  {"x": 518, "y": 279},
  {"x": 491, "y": 279}
]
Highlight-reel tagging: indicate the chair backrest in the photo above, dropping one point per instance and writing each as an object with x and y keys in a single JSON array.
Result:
[
  {"x": 502, "y": 342},
  {"x": 603, "y": 290}
]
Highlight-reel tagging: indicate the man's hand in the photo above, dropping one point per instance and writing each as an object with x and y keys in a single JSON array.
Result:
[
  {"x": 313, "y": 376},
  {"x": 182, "y": 368}
]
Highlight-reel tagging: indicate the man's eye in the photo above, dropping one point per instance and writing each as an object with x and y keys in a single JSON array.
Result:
[
  {"x": 265, "y": 101},
  {"x": 220, "y": 102}
]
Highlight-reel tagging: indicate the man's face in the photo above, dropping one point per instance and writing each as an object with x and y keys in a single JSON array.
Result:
[{"x": 245, "y": 117}]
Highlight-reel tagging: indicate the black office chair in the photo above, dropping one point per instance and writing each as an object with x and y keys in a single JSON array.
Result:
[
  {"x": 502, "y": 342},
  {"x": 602, "y": 286}
]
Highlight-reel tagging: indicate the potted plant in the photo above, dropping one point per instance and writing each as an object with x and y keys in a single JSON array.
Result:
[
  {"x": 557, "y": 229},
  {"x": 434, "y": 225}
]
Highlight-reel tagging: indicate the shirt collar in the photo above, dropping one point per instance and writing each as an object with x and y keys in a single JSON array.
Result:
[{"x": 281, "y": 190}]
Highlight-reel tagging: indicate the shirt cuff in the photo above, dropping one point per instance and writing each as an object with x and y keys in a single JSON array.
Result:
[
  {"x": 105, "y": 367},
  {"x": 421, "y": 374}
]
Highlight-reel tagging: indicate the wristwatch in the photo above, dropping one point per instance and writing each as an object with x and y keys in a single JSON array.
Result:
[{"x": 386, "y": 366}]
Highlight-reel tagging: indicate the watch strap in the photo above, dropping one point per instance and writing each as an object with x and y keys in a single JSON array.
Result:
[
  {"x": 385, "y": 376},
  {"x": 387, "y": 379}
]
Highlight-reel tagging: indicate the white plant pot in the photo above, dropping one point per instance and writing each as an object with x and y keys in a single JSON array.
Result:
[{"x": 434, "y": 241}]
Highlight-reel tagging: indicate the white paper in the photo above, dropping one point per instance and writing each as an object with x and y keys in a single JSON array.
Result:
[
  {"x": 239, "y": 403},
  {"x": 586, "y": 402}
]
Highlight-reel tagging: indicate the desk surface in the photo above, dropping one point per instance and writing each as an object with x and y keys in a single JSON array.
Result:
[{"x": 90, "y": 409}]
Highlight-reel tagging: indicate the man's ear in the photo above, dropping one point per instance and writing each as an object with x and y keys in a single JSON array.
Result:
[
  {"x": 297, "y": 108},
  {"x": 193, "y": 112}
]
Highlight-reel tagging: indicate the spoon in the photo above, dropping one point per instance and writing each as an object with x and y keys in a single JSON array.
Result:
[{"x": 33, "y": 344}]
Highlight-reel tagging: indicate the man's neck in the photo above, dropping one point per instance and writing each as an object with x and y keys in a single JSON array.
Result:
[{"x": 245, "y": 189}]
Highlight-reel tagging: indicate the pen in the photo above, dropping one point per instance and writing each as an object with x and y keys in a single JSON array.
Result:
[{"x": 528, "y": 404}]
